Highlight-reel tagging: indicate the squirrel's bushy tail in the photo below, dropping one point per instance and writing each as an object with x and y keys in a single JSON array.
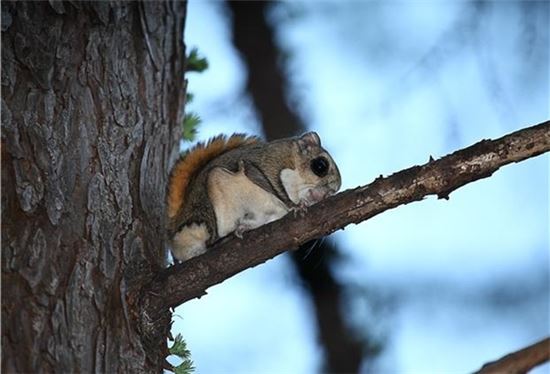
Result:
[{"x": 194, "y": 160}]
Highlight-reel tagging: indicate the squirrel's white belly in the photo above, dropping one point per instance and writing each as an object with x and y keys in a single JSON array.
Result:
[{"x": 240, "y": 204}]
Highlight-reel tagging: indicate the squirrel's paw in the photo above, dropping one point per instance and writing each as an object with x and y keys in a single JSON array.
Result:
[
  {"x": 241, "y": 228},
  {"x": 299, "y": 210}
]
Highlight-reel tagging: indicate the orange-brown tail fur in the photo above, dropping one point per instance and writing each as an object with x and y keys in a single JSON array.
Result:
[{"x": 193, "y": 160}]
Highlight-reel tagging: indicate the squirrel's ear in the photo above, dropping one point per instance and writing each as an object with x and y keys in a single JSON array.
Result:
[{"x": 309, "y": 139}]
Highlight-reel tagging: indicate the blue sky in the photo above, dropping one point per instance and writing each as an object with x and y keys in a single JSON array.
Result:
[{"x": 386, "y": 85}]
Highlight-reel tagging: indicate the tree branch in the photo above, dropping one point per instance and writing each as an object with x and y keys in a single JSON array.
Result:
[
  {"x": 521, "y": 361},
  {"x": 231, "y": 255}
]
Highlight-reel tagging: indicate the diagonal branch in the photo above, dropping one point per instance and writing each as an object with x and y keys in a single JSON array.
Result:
[
  {"x": 521, "y": 361},
  {"x": 231, "y": 255}
]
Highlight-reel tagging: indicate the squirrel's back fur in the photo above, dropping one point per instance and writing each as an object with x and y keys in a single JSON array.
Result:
[{"x": 191, "y": 162}]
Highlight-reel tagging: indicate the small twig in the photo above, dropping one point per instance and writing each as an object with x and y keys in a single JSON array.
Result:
[{"x": 519, "y": 362}]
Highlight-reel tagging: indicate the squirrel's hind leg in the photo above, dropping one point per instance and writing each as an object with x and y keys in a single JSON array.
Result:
[{"x": 190, "y": 241}]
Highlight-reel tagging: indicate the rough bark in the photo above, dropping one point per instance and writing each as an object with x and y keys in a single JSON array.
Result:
[
  {"x": 92, "y": 95},
  {"x": 520, "y": 362},
  {"x": 254, "y": 37},
  {"x": 231, "y": 255}
]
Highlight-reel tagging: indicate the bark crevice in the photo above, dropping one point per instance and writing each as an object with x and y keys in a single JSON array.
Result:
[{"x": 80, "y": 105}]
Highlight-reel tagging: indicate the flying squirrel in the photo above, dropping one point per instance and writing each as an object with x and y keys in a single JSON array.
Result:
[{"x": 238, "y": 183}]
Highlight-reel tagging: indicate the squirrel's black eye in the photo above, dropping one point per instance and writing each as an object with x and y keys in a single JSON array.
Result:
[{"x": 320, "y": 166}]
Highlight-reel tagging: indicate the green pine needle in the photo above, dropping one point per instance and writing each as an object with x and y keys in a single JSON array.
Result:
[
  {"x": 196, "y": 62},
  {"x": 179, "y": 348},
  {"x": 191, "y": 121}
]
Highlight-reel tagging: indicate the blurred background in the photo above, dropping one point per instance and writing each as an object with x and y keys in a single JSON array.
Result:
[{"x": 432, "y": 287}]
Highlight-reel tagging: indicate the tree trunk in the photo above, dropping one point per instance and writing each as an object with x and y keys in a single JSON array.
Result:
[{"x": 92, "y": 99}]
